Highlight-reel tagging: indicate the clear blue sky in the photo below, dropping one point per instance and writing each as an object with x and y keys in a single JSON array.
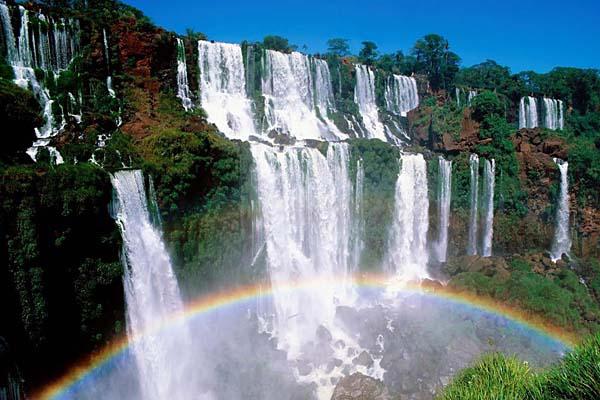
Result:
[{"x": 522, "y": 34}]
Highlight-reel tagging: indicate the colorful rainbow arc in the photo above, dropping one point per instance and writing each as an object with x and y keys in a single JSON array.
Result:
[{"x": 214, "y": 301}]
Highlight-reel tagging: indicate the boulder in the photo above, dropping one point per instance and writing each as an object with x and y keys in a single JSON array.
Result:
[{"x": 360, "y": 387}]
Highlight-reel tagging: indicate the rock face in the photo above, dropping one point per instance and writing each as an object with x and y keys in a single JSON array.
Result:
[
  {"x": 490, "y": 266},
  {"x": 360, "y": 387}
]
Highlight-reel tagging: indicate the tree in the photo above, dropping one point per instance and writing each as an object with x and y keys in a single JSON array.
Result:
[
  {"x": 368, "y": 54},
  {"x": 338, "y": 47},
  {"x": 278, "y": 43},
  {"x": 434, "y": 58}
]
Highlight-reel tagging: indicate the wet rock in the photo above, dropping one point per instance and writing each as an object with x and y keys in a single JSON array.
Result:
[
  {"x": 364, "y": 359},
  {"x": 360, "y": 387},
  {"x": 304, "y": 368},
  {"x": 324, "y": 335}
]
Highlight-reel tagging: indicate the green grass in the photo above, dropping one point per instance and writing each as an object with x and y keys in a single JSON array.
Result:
[{"x": 496, "y": 377}]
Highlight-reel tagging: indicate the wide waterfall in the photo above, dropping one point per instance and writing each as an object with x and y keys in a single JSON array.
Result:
[
  {"x": 305, "y": 202},
  {"x": 553, "y": 114},
  {"x": 474, "y": 167},
  {"x": 489, "y": 172},
  {"x": 223, "y": 89},
  {"x": 401, "y": 94},
  {"x": 444, "y": 197},
  {"x": 364, "y": 97},
  {"x": 562, "y": 238},
  {"x": 183, "y": 88},
  {"x": 407, "y": 249},
  {"x": 289, "y": 93},
  {"x": 152, "y": 296},
  {"x": 528, "y": 113}
]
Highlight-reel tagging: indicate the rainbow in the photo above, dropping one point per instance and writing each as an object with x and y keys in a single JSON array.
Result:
[{"x": 225, "y": 298}]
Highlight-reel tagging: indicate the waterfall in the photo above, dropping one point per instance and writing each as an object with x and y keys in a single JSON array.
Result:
[
  {"x": 553, "y": 114},
  {"x": 151, "y": 294},
  {"x": 223, "y": 89},
  {"x": 28, "y": 51},
  {"x": 474, "y": 166},
  {"x": 305, "y": 202},
  {"x": 470, "y": 96},
  {"x": 183, "y": 88},
  {"x": 457, "y": 93},
  {"x": 401, "y": 94},
  {"x": 324, "y": 98},
  {"x": 109, "y": 84},
  {"x": 364, "y": 97},
  {"x": 562, "y": 239},
  {"x": 489, "y": 171},
  {"x": 528, "y": 114},
  {"x": 444, "y": 197},
  {"x": 407, "y": 249},
  {"x": 290, "y": 96},
  {"x": 358, "y": 224}
]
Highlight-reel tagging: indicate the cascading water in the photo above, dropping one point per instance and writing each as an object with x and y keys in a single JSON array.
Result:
[
  {"x": 307, "y": 228},
  {"x": 51, "y": 50},
  {"x": 287, "y": 86},
  {"x": 489, "y": 171},
  {"x": 358, "y": 216},
  {"x": 401, "y": 94},
  {"x": 364, "y": 97},
  {"x": 407, "y": 249},
  {"x": 528, "y": 113},
  {"x": 474, "y": 167},
  {"x": 109, "y": 84},
  {"x": 470, "y": 96},
  {"x": 324, "y": 98},
  {"x": 223, "y": 89},
  {"x": 562, "y": 239},
  {"x": 152, "y": 296},
  {"x": 444, "y": 197},
  {"x": 553, "y": 114},
  {"x": 183, "y": 88}
]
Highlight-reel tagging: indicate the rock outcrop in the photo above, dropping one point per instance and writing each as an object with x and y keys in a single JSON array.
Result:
[{"x": 360, "y": 387}]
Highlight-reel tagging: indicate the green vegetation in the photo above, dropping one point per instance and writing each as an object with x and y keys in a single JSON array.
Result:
[
  {"x": 278, "y": 43},
  {"x": 558, "y": 296},
  {"x": 496, "y": 377},
  {"x": 381, "y": 167}
]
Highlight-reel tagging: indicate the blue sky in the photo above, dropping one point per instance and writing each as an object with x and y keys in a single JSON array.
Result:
[{"x": 522, "y": 34}]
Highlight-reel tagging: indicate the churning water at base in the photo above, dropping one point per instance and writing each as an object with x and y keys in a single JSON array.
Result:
[
  {"x": 152, "y": 297},
  {"x": 223, "y": 89},
  {"x": 489, "y": 179},
  {"x": 562, "y": 238},
  {"x": 444, "y": 197},
  {"x": 407, "y": 249},
  {"x": 474, "y": 167}
]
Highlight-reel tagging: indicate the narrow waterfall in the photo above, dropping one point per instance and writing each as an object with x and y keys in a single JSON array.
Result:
[
  {"x": 528, "y": 113},
  {"x": 444, "y": 196},
  {"x": 489, "y": 171},
  {"x": 553, "y": 114},
  {"x": 401, "y": 94},
  {"x": 358, "y": 217},
  {"x": 223, "y": 89},
  {"x": 109, "y": 84},
  {"x": 324, "y": 98},
  {"x": 183, "y": 88},
  {"x": 364, "y": 97},
  {"x": 474, "y": 166},
  {"x": 152, "y": 296},
  {"x": 457, "y": 94},
  {"x": 305, "y": 201},
  {"x": 407, "y": 249},
  {"x": 289, "y": 93},
  {"x": 470, "y": 96},
  {"x": 562, "y": 238}
]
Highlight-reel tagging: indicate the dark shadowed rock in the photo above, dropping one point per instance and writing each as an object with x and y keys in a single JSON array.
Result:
[
  {"x": 363, "y": 358},
  {"x": 360, "y": 387}
]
